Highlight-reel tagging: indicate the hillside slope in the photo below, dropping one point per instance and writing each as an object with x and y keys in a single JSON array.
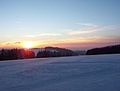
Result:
[{"x": 80, "y": 73}]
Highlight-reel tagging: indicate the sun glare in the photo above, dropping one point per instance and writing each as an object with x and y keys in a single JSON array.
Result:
[{"x": 27, "y": 44}]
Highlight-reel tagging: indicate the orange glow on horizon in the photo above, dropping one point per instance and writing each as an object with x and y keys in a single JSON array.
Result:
[{"x": 78, "y": 42}]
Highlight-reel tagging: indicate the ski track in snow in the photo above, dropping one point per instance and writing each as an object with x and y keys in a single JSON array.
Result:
[{"x": 78, "y": 73}]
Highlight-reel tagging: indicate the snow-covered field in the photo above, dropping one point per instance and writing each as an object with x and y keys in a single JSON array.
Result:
[{"x": 79, "y": 73}]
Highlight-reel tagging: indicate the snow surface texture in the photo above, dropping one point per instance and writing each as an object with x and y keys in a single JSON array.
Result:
[{"x": 79, "y": 73}]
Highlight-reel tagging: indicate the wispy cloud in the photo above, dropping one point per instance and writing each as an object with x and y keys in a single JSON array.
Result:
[
  {"x": 86, "y": 24},
  {"x": 85, "y": 28},
  {"x": 89, "y": 28},
  {"x": 44, "y": 35}
]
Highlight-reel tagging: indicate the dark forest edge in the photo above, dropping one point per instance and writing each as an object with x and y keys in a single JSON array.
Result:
[
  {"x": 113, "y": 49},
  {"x": 13, "y": 54}
]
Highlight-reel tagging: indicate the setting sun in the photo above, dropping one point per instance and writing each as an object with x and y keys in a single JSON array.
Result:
[{"x": 27, "y": 44}]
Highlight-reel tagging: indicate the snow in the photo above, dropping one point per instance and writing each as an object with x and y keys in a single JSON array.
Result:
[{"x": 78, "y": 73}]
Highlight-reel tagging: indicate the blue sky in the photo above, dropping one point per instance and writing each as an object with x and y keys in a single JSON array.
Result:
[{"x": 48, "y": 20}]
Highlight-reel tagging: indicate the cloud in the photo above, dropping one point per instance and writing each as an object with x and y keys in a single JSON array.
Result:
[
  {"x": 86, "y": 28},
  {"x": 10, "y": 44},
  {"x": 44, "y": 35},
  {"x": 86, "y": 24},
  {"x": 90, "y": 28}
]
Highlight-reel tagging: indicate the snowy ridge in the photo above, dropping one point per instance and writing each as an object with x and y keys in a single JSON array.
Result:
[{"x": 79, "y": 73}]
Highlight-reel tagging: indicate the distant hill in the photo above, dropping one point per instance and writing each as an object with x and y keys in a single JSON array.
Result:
[
  {"x": 113, "y": 49},
  {"x": 54, "y": 52}
]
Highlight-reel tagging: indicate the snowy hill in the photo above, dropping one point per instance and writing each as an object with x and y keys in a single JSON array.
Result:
[{"x": 78, "y": 73}]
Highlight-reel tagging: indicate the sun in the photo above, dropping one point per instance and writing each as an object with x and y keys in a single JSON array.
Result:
[{"x": 27, "y": 44}]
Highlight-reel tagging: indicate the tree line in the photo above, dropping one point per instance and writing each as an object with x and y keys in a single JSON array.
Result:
[
  {"x": 12, "y": 54},
  {"x": 104, "y": 50}
]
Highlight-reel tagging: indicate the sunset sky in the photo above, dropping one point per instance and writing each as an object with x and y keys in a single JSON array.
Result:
[{"x": 63, "y": 23}]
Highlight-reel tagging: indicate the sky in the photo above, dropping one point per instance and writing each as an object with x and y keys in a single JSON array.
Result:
[{"x": 63, "y": 23}]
